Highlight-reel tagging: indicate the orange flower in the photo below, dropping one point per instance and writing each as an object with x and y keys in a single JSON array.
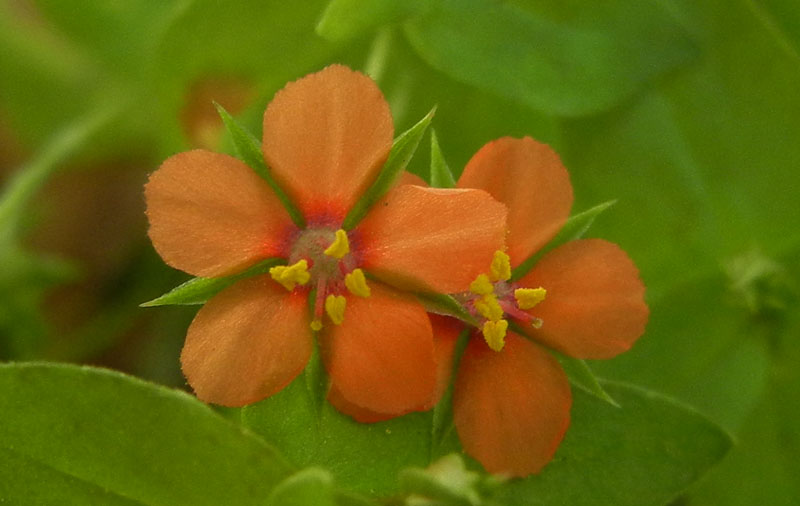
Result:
[
  {"x": 326, "y": 137},
  {"x": 512, "y": 400}
]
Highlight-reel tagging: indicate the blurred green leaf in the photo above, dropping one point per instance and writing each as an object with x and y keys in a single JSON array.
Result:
[
  {"x": 553, "y": 65},
  {"x": 44, "y": 80},
  {"x": 644, "y": 453},
  {"x": 446, "y": 482},
  {"x": 128, "y": 438},
  {"x": 364, "y": 458},
  {"x": 441, "y": 175},
  {"x": 309, "y": 487},
  {"x": 347, "y": 19},
  {"x": 403, "y": 148},
  {"x": 199, "y": 290},
  {"x": 24, "y": 481},
  {"x": 249, "y": 150},
  {"x": 122, "y": 35},
  {"x": 768, "y": 439}
]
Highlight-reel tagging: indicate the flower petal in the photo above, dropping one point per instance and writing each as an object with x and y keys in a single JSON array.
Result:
[
  {"x": 595, "y": 305},
  {"x": 326, "y": 136},
  {"x": 445, "y": 334},
  {"x": 530, "y": 179},
  {"x": 381, "y": 358},
  {"x": 406, "y": 177},
  {"x": 247, "y": 343},
  {"x": 511, "y": 408},
  {"x": 431, "y": 238},
  {"x": 211, "y": 215}
]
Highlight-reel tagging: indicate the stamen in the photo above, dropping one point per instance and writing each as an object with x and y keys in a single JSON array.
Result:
[
  {"x": 334, "y": 306},
  {"x": 500, "y": 269},
  {"x": 340, "y": 246},
  {"x": 481, "y": 285},
  {"x": 529, "y": 297},
  {"x": 489, "y": 307},
  {"x": 316, "y": 325},
  {"x": 495, "y": 334},
  {"x": 291, "y": 275},
  {"x": 356, "y": 283}
]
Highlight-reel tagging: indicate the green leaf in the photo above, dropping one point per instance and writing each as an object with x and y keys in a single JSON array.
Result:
[
  {"x": 364, "y": 457},
  {"x": 347, "y": 19},
  {"x": 644, "y": 453},
  {"x": 249, "y": 150},
  {"x": 24, "y": 481},
  {"x": 581, "y": 376},
  {"x": 441, "y": 175},
  {"x": 574, "y": 228},
  {"x": 403, "y": 149},
  {"x": 309, "y": 487},
  {"x": 577, "y": 60},
  {"x": 199, "y": 290},
  {"x": 102, "y": 434}
]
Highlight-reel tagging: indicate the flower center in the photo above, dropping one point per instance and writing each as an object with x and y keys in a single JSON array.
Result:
[
  {"x": 320, "y": 257},
  {"x": 492, "y": 296}
]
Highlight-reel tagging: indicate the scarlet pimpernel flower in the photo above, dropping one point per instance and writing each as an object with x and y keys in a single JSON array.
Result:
[
  {"x": 511, "y": 400},
  {"x": 325, "y": 139}
]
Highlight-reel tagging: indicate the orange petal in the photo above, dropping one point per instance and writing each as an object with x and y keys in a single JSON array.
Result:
[
  {"x": 381, "y": 358},
  {"x": 211, "y": 215},
  {"x": 247, "y": 343},
  {"x": 326, "y": 136},
  {"x": 445, "y": 334},
  {"x": 530, "y": 179},
  {"x": 595, "y": 304},
  {"x": 409, "y": 178},
  {"x": 511, "y": 408},
  {"x": 431, "y": 238}
]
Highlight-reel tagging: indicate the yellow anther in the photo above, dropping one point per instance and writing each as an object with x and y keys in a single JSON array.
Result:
[
  {"x": 529, "y": 297},
  {"x": 340, "y": 246},
  {"x": 481, "y": 285},
  {"x": 501, "y": 267},
  {"x": 334, "y": 306},
  {"x": 489, "y": 308},
  {"x": 357, "y": 283},
  {"x": 316, "y": 325},
  {"x": 537, "y": 323},
  {"x": 495, "y": 334},
  {"x": 291, "y": 275}
]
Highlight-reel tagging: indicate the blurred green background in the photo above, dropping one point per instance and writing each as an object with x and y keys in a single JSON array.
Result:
[{"x": 686, "y": 111}]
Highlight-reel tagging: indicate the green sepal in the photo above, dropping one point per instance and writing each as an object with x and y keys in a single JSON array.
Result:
[
  {"x": 581, "y": 376},
  {"x": 446, "y": 305},
  {"x": 574, "y": 228},
  {"x": 249, "y": 150},
  {"x": 316, "y": 380},
  {"x": 312, "y": 486},
  {"x": 443, "y": 436},
  {"x": 441, "y": 174},
  {"x": 199, "y": 290},
  {"x": 403, "y": 149}
]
